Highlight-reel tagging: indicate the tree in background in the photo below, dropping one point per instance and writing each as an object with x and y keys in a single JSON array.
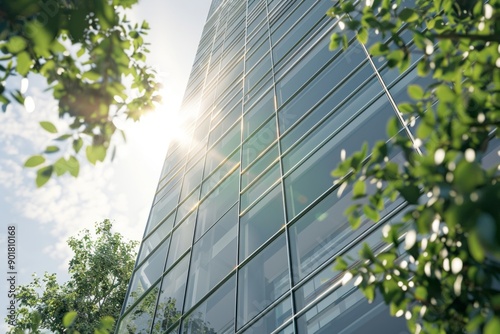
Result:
[
  {"x": 99, "y": 271},
  {"x": 94, "y": 62},
  {"x": 442, "y": 267}
]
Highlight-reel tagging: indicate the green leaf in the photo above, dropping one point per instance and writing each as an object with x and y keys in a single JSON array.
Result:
[
  {"x": 410, "y": 193},
  {"x": 371, "y": 213},
  {"x": 95, "y": 153},
  {"x": 415, "y": 92},
  {"x": 16, "y": 44},
  {"x": 334, "y": 41},
  {"x": 34, "y": 161},
  {"x": 23, "y": 63},
  {"x": 77, "y": 144},
  {"x": 48, "y": 126},
  {"x": 73, "y": 166},
  {"x": 493, "y": 326},
  {"x": 43, "y": 175},
  {"x": 107, "y": 323},
  {"x": 379, "y": 49},
  {"x": 92, "y": 76},
  {"x": 392, "y": 127},
  {"x": 69, "y": 318},
  {"x": 51, "y": 149},
  {"x": 408, "y": 15},
  {"x": 369, "y": 292},
  {"x": 359, "y": 189},
  {"x": 421, "y": 293},
  {"x": 60, "y": 166},
  {"x": 362, "y": 36}
]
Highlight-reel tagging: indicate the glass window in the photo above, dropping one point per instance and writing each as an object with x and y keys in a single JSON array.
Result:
[
  {"x": 300, "y": 29},
  {"x": 187, "y": 206},
  {"x": 346, "y": 310},
  {"x": 192, "y": 178},
  {"x": 261, "y": 164},
  {"x": 323, "y": 231},
  {"x": 214, "y": 256},
  {"x": 220, "y": 173},
  {"x": 215, "y": 315},
  {"x": 272, "y": 319},
  {"x": 222, "y": 149},
  {"x": 257, "y": 92},
  {"x": 147, "y": 274},
  {"x": 339, "y": 77},
  {"x": 261, "y": 222},
  {"x": 255, "y": 74},
  {"x": 255, "y": 190},
  {"x": 231, "y": 118},
  {"x": 171, "y": 298},
  {"x": 258, "y": 113},
  {"x": 216, "y": 204},
  {"x": 182, "y": 239},
  {"x": 313, "y": 177},
  {"x": 262, "y": 280},
  {"x": 155, "y": 238},
  {"x": 254, "y": 146},
  {"x": 164, "y": 206},
  {"x": 140, "y": 318},
  {"x": 169, "y": 185},
  {"x": 255, "y": 53}
]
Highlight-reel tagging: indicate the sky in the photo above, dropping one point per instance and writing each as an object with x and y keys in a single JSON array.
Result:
[{"x": 121, "y": 190}]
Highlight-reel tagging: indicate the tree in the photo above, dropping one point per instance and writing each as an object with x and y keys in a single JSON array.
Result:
[
  {"x": 94, "y": 62},
  {"x": 99, "y": 275},
  {"x": 442, "y": 267}
]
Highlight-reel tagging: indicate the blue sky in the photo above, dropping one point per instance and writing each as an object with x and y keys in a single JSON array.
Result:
[{"x": 122, "y": 190}]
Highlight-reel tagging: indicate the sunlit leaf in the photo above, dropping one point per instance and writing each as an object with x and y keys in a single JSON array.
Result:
[
  {"x": 69, "y": 318},
  {"x": 48, "y": 126},
  {"x": 34, "y": 161}
]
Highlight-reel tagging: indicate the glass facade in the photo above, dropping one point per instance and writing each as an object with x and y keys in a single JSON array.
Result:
[{"x": 246, "y": 221}]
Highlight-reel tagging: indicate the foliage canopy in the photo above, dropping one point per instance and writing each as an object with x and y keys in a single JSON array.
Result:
[
  {"x": 441, "y": 266},
  {"x": 94, "y": 61},
  {"x": 99, "y": 271}
]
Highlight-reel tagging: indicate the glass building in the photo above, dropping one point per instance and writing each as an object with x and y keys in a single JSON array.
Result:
[{"x": 246, "y": 221}]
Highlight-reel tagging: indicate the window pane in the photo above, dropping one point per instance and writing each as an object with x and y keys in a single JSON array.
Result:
[
  {"x": 192, "y": 178},
  {"x": 215, "y": 315},
  {"x": 216, "y": 204},
  {"x": 163, "y": 207},
  {"x": 262, "y": 280},
  {"x": 259, "y": 142},
  {"x": 272, "y": 319},
  {"x": 259, "y": 187},
  {"x": 220, "y": 173},
  {"x": 187, "y": 206},
  {"x": 313, "y": 177},
  {"x": 222, "y": 149},
  {"x": 147, "y": 274},
  {"x": 214, "y": 256},
  {"x": 258, "y": 114},
  {"x": 182, "y": 239},
  {"x": 154, "y": 239},
  {"x": 259, "y": 166},
  {"x": 171, "y": 297},
  {"x": 261, "y": 222},
  {"x": 140, "y": 318},
  {"x": 346, "y": 310},
  {"x": 338, "y": 81}
]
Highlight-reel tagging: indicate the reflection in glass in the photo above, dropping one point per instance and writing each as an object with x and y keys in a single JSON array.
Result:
[
  {"x": 215, "y": 315},
  {"x": 214, "y": 256},
  {"x": 182, "y": 239},
  {"x": 272, "y": 319},
  {"x": 148, "y": 273},
  {"x": 140, "y": 318},
  {"x": 171, "y": 298},
  {"x": 262, "y": 280},
  {"x": 261, "y": 222}
]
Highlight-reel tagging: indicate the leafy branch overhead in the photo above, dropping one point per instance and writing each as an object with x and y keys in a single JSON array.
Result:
[
  {"x": 439, "y": 265},
  {"x": 93, "y": 59}
]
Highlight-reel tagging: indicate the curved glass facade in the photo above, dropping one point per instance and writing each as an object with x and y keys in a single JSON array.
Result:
[{"x": 247, "y": 222}]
